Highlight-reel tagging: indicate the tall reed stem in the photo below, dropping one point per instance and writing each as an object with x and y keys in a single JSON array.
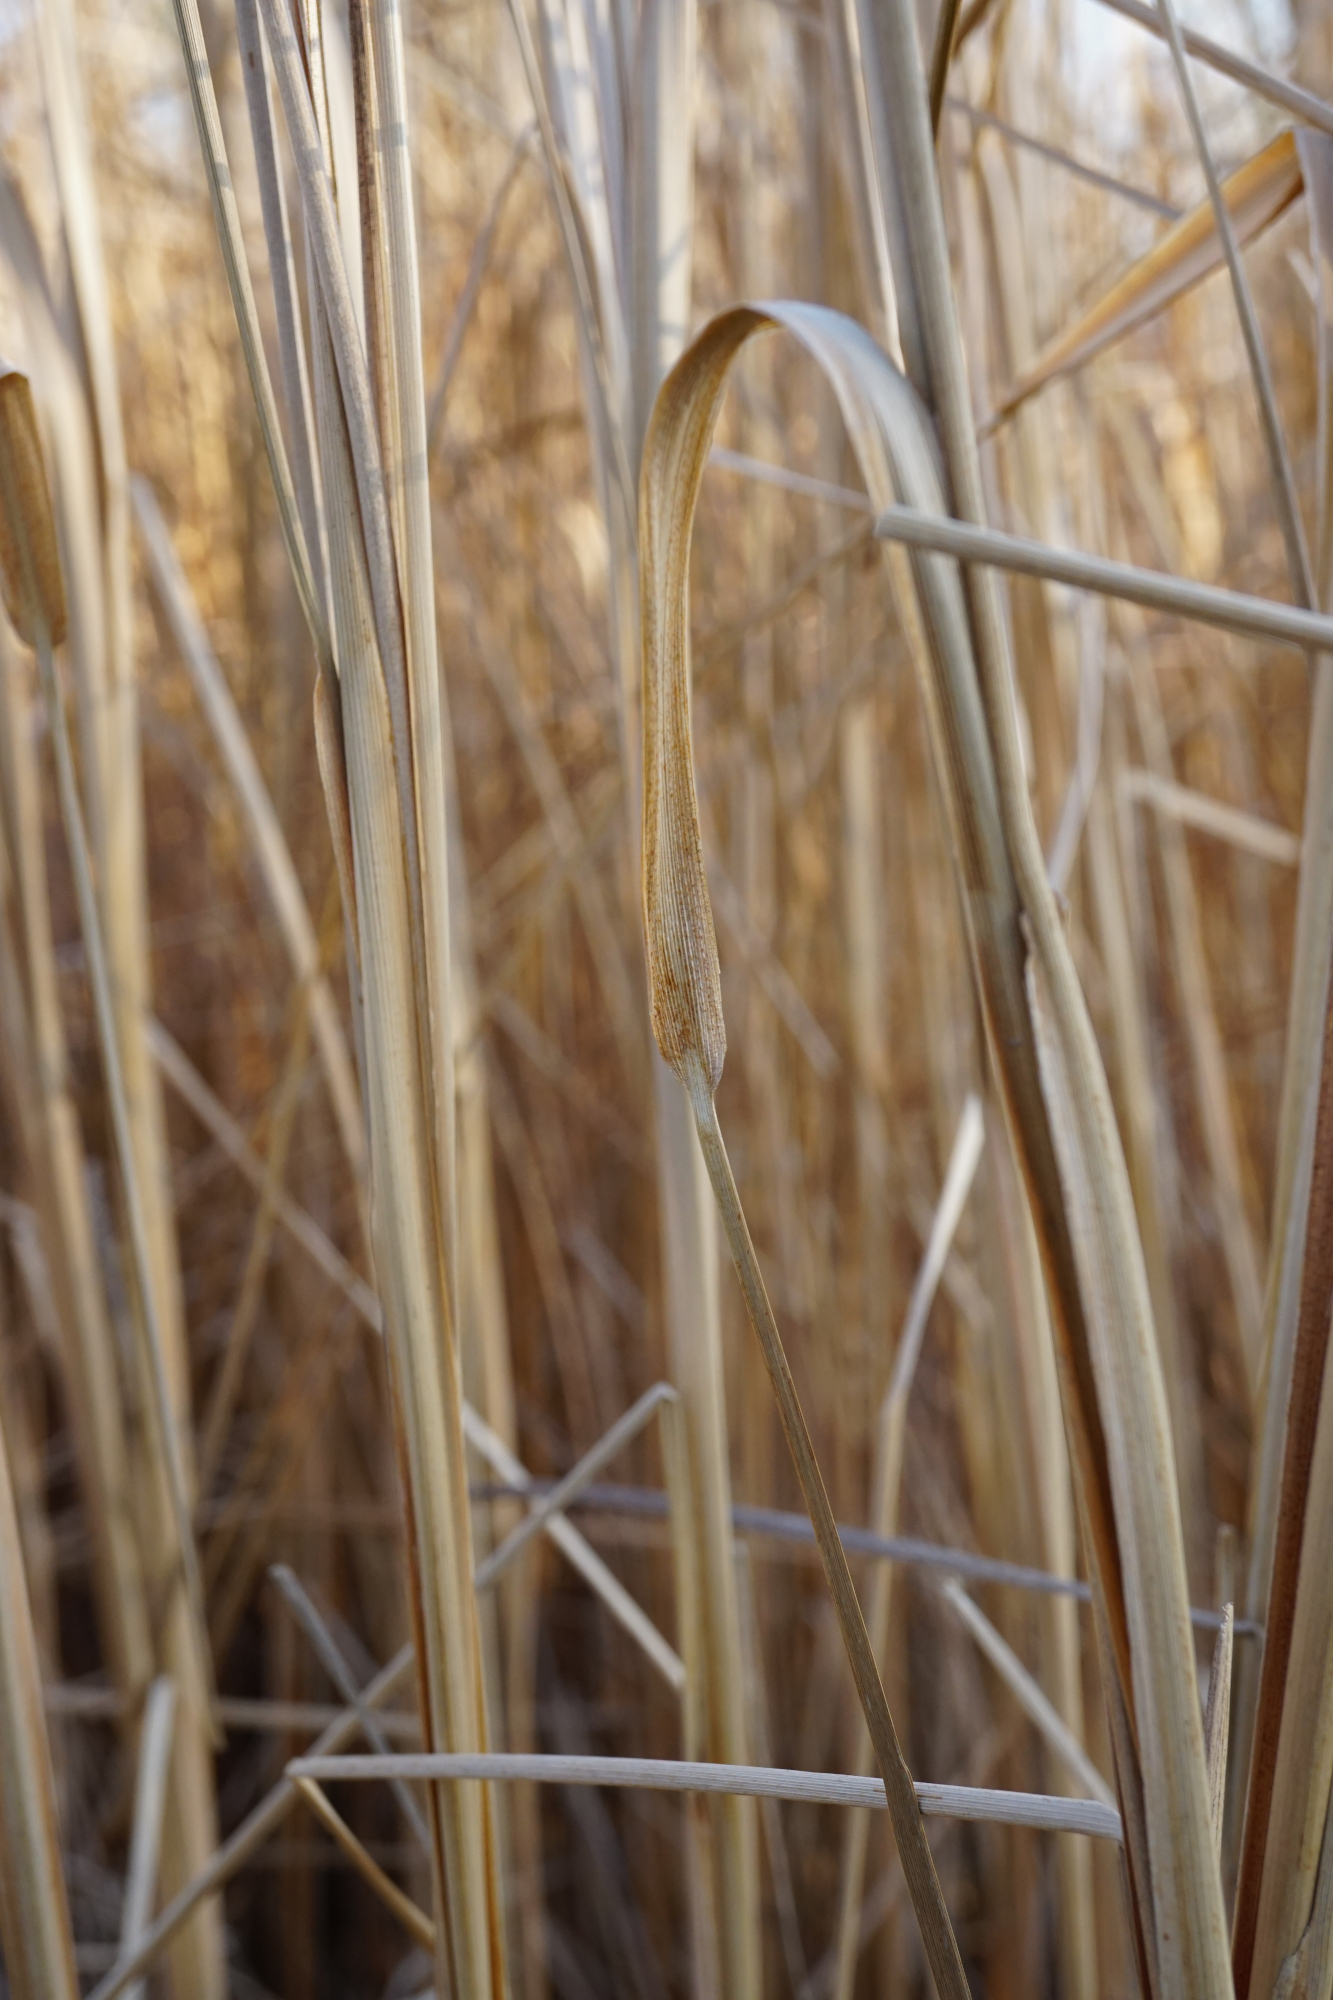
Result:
[{"x": 904, "y": 1812}]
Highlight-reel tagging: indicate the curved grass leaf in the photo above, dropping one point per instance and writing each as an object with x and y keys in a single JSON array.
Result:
[{"x": 1114, "y": 1395}]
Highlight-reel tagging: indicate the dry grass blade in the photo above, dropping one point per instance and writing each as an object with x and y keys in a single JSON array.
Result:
[
  {"x": 34, "y": 585},
  {"x": 1182, "y": 1892},
  {"x": 1093, "y": 176},
  {"x": 661, "y": 187},
  {"x": 150, "y": 1798},
  {"x": 686, "y": 997},
  {"x": 1255, "y": 195},
  {"x": 1242, "y": 829},
  {"x": 414, "y": 1921},
  {"x": 889, "y": 1448},
  {"x": 1157, "y": 590},
  {"x": 55, "y": 1143},
  {"x": 1316, "y": 151},
  {"x": 1291, "y": 1759},
  {"x": 1029, "y": 1696},
  {"x": 31, "y": 534},
  {"x": 946, "y": 36},
  {"x": 1114, "y": 1405},
  {"x": 624, "y": 195},
  {"x": 969, "y": 1802},
  {"x": 1294, "y": 1865},
  {"x": 1217, "y": 1721},
  {"x": 1305, "y": 1972},
  {"x": 34, "y": 1913},
  {"x": 567, "y": 1489},
  {"x": 95, "y": 530},
  {"x": 1280, "y": 471},
  {"x": 1306, "y": 1036},
  {"x": 257, "y": 1827},
  {"x": 1288, "y": 97},
  {"x": 371, "y": 424},
  {"x": 286, "y": 307},
  {"x": 306, "y": 1613},
  {"x": 364, "y": 527},
  {"x": 853, "y": 84},
  {"x": 399, "y": 382},
  {"x": 579, "y": 1552},
  {"x": 270, "y": 844},
  {"x": 208, "y": 124}
]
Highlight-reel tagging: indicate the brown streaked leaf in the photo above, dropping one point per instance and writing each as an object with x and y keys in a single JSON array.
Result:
[
  {"x": 1115, "y": 1399},
  {"x": 30, "y": 572}
]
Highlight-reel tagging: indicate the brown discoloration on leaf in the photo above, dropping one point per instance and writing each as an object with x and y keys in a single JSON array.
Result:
[{"x": 30, "y": 573}]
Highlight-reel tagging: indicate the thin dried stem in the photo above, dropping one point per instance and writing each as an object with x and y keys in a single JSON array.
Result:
[
  {"x": 1279, "y": 460},
  {"x": 1229, "y": 610},
  {"x": 150, "y": 1799},
  {"x": 914, "y": 1852},
  {"x": 414, "y": 1920},
  {"x": 967, "y": 1802}
]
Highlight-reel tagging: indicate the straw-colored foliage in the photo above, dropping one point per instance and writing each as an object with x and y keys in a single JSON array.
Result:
[{"x": 666, "y": 1083}]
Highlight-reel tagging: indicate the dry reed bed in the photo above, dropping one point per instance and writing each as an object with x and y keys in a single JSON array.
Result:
[{"x": 435, "y": 1215}]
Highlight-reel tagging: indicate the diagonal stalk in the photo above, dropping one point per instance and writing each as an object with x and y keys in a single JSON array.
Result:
[
  {"x": 904, "y": 1812},
  {"x": 1279, "y": 460}
]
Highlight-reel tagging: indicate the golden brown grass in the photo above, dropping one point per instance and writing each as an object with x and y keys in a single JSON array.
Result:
[{"x": 392, "y": 699}]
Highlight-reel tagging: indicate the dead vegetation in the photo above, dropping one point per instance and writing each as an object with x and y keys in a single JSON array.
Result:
[{"x": 527, "y": 781}]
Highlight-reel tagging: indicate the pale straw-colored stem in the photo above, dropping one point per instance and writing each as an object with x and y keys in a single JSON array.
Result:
[
  {"x": 568, "y": 1489},
  {"x": 1230, "y": 610},
  {"x": 150, "y": 1799},
  {"x": 34, "y": 1911},
  {"x": 1038, "y": 1810},
  {"x": 891, "y": 1438},
  {"x": 519, "y": 152},
  {"x": 257, "y": 1827},
  {"x": 1289, "y": 97},
  {"x": 226, "y": 215},
  {"x": 1279, "y": 461},
  {"x": 1026, "y": 1691},
  {"x": 413, "y": 1919},
  {"x": 268, "y": 839},
  {"x": 578, "y": 1551},
  {"x": 329, "y": 1654},
  {"x": 162, "y": 1407},
  {"x": 1217, "y": 1720},
  {"x": 1241, "y": 829},
  {"x": 909, "y": 1833},
  {"x": 67, "y": 1229}
]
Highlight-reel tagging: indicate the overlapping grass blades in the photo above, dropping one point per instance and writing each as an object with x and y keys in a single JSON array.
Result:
[{"x": 1063, "y": 1126}]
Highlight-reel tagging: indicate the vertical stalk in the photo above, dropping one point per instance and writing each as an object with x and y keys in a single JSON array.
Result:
[
  {"x": 371, "y": 433},
  {"x": 909, "y": 1828},
  {"x": 34, "y": 1912},
  {"x": 107, "y": 694},
  {"x": 54, "y": 1145},
  {"x": 662, "y": 187}
]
